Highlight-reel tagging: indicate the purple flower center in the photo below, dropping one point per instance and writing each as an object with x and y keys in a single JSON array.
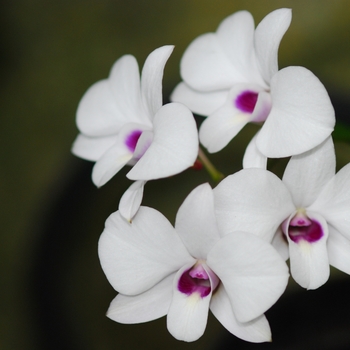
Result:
[
  {"x": 303, "y": 228},
  {"x": 196, "y": 280},
  {"x": 132, "y": 138},
  {"x": 246, "y": 101}
]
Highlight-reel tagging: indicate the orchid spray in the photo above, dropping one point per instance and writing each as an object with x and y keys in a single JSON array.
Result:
[{"x": 228, "y": 248}]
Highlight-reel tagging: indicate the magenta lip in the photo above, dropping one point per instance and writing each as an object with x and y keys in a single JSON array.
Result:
[
  {"x": 246, "y": 101},
  {"x": 132, "y": 138},
  {"x": 189, "y": 285},
  {"x": 310, "y": 233}
]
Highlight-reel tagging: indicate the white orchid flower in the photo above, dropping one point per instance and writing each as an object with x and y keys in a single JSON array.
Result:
[
  {"x": 183, "y": 272},
  {"x": 122, "y": 122},
  {"x": 306, "y": 214},
  {"x": 232, "y": 77}
]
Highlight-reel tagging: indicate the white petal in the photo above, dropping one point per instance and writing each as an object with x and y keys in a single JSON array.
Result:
[
  {"x": 338, "y": 250},
  {"x": 92, "y": 148},
  {"x": 334, "y": 201},
  {"x": 174, "y": 147},
  {"x": 188, "y": 314},
  {"x": 196, "y": 222},
  {"x": 280, "y": 243},
  {"x": 252, "y": 272},
  {"x": 124, "y": 81},
  {"x": 252, "y": 200},
  {"x": 309, "y": 263},
  {"x": 253, "y": 158},
  {"x": 98, "y": 113},
  {"x": 255, "y": 331},
  {"x": 109, "y": 164},
  {"x": 151, "y": 79},
  {"x": 131, "y": 200},
  {"x": 147, "y": 306},
  {"x": 236, "y": 36},
  {"x": 205, "y": 66},
  {"x": 306, "y": 174},
  {"x": 225, "y": 123},
  {"x": 136, "y": 256},
  {"x": 268, "y": 35},
  {"x": 301, "y": 117},
  {"x": 203, "y": 103}
]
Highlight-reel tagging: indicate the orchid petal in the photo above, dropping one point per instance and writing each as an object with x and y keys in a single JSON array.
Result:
[
  {"x": 206, "y": 67},
  {"x": 174, "y": 147},
  {"x": 338, "y": 250},
  {"x": 203, "y": 103},
  {"x": 124, "y": 81},
  {"x": 147, "y": 306},
  {"x": 120, "y": 154},
  {"x": 151, "y": 79},
  {"x": 136, "y": 256},
  {"x": 236, "y": 36},
  {"x": 109, "y": 164},
  {"x": 334, "y": 201},
  {"x": 268, "y": 35},
  {"x": 255, "y": 331},
  {"x": 225, "y": 123},
  {"x": 280, "y": 243},
  {"x": 196, "y": 222},
  {"x": 301, "y": 117},
  {"x": 309, "y": 260},
  {"x": 131, "y": 200},
  {"x": 253, "y": 158},
  {"x": 252, "y": 272},
  {"x": 188, "y": 314},
  {"x": 92, "y": 148},
  {"x": 252, "y": 200},
  {"x": 306, "y": 174},
  {"x": 98, "y": 113}
]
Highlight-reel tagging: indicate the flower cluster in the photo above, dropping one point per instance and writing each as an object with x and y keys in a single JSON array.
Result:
[{"x": 227, "y": 250}]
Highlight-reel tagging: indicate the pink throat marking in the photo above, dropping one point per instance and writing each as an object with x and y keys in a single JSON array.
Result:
[
  {"x": 303, "y": 228},
  {"x": 196, "y": 280},
  {"x": 246, "y": 101},
  {"x": 132, "y": 138}
]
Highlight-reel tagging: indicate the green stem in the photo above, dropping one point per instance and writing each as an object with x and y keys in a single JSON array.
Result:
[{"x": 216, "y": 175}]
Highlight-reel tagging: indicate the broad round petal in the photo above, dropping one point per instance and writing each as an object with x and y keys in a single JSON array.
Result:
[
  {"x": 147, "y": 306},
  {"x": 151, "y": 79},
  {"x": 268, "y": 35},
  {"x": 309, "y": 263},
  {"x": 196, "y": 222},
  {"x": 255, "y": 331},
  {"x": 98, "y": 113},
  {"x": 92, "y": 148},
  {"x": 136, "y": 256},
  {"x": 188, "y": 314},
  {"x": 236, "y": 37},
  {"x": 124, "y": 82},
  {"x": 253, "y": 158},
  {"x": 205, "y": 66},
  {"x": 174, "y": 147},
  {"x": 306, "y": 174},
  {"x": 334, "y": 201},
  {"x": 131, "y": 200},
  {"x": 203, "y": 103},
  {"x": 253, "y": 200},
  {"x": 302, "y": 115},
  {"x": 252, "y": 272},
  {"x": 338, "y": 250}
]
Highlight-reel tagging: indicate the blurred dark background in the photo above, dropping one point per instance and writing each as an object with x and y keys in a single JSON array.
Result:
[{"x": 53, "y": 292}]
